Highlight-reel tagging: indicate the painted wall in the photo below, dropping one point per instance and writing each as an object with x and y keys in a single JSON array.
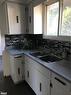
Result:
[
  {"x": 0, "y": 43},
  {"x": 3, "y": 27}
]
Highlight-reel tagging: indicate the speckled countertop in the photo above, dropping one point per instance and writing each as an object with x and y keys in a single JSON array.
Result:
[{"x": 62, "y": 67}]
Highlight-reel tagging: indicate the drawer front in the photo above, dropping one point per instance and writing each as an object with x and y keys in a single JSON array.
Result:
[
  {"x": 61, "y": 81},
  {"x": 38, "y": 66}
]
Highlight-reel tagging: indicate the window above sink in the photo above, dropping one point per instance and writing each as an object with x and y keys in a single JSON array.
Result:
[{"x": 57, "y": 20}]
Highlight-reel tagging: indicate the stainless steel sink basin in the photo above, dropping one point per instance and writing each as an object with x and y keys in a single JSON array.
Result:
[
  {"x": 50, "y": 58},
  {"x": 45, "y": 57},
  {"x": 38, "y": 54}
]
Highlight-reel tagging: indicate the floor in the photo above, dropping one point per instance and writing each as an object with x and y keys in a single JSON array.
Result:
[{"x": 7, "y": 85}]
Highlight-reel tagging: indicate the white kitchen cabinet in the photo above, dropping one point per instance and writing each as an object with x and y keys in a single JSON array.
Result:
[
  {"x": 27, "y": 72},
  {"x": 6, "y": 63},
  {"x": 42, "y": 84},
  {"x": 35, "y": 78},
  {"x": 60, "y": 86},
  {"x": 43, "y": 81},
  {"x": 30, "y": 18},
  {"x": 34, "y": 18},
  {"x": 13, "y": 18},
  {"x": 16, "y": 18},
  {"x": 17, "y": 68}
]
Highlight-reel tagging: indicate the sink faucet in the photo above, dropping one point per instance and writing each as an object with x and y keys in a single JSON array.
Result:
[{"x": 66, "y": 53}]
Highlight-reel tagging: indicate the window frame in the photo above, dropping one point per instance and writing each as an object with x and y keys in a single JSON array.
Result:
[{"x": 58, "y": 37}]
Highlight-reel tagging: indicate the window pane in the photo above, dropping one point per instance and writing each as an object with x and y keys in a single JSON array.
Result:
[
  {"x": 38, "y": 19},
  {"x": 66, "y": 18},
  {"x": 52, "y": 19}
]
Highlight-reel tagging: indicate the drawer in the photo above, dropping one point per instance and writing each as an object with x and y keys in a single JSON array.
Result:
[{"x": 61, "y": 80}]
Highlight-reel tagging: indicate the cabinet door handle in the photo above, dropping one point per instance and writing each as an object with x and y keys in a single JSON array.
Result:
[
  {"x": 19, "y": 71},
  {"x": 40, "y": 87},
  {"x": 18, "y": 56},
  {"x": 22, "y": 62},
  {"x": 29, "y": 19},
  {"x": 28, "y": 74},
  {"x": 60, "y": 81},
  {"x": 51, "y": 85},
  {"x": 17, "y": 19}
]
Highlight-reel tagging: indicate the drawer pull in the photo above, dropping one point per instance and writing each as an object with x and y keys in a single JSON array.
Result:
[
  {"x": 40, "y": 87},
  {"x": 51, "y": 85},
  {"x": 60, "y": 81},
  {"x": 19, "y": 71},
  {"x": 17, "y": 19},
  {"x": 18, "y": 56},
  {"x": 27, "y": 74}
]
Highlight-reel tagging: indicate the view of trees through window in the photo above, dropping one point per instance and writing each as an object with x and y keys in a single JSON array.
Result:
[
  {"x": 53, "y": 16},
  {"x": 66, "y": 22},
  {"x": 52, "y": 19}
]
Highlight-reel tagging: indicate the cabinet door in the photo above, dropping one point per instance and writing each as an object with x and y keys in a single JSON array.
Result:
[
  {"x": 42, "y": 84},
  {"x": 26, "y": 72},
  {"x": 16, "y": 18},
  {"x": 30, "y": 18},
  {"x": 60, "y": 86},
  {"x": 33, "y": 78},
  {"x": 37, "y": 80},
  {"x": 19, "y": 68}
]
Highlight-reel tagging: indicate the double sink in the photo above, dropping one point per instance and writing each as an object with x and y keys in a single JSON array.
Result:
[{"x": 45, "y": 57}]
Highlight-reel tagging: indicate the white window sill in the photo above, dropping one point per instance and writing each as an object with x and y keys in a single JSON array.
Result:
[{"x": 60, "y": 38}]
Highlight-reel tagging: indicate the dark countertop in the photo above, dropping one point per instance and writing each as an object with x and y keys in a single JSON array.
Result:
[{"x": 62, "y": 67}]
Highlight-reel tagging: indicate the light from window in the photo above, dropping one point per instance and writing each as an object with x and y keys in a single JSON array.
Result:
[
  {"x": 38, "y": 19},
  {"x": 66, "y": 18},
  {"x": 52, "y": 19}
]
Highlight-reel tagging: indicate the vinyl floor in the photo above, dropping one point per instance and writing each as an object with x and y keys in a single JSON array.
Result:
[{"x": 7, "y": 85}]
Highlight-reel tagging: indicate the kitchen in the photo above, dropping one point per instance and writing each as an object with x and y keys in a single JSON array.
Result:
[{"x": 36, "y": 46}]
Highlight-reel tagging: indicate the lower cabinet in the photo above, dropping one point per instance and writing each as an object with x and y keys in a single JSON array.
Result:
[
  {"x": 17, "y": 68},
  {"x": 43, "y": 81},
  {"x": 27, "y": 72},
  {"x": 37, "y": 81},
  {"x": 42, "y": 84},
  {"x": 60, "y": 86},
  {"x": 6, "y": 63},
  {"x": 30, "y": 75}
]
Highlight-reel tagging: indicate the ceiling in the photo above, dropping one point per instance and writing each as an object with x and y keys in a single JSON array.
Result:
[
  {"x": 1, "y": 1},
  {"x": 18, "y": 1}
]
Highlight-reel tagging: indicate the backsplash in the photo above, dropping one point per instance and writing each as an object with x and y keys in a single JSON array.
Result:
[
  {"x": 59, "y": 48},
  {"x": 31, "y": 41},
  {"x": 23, "y": 41}
]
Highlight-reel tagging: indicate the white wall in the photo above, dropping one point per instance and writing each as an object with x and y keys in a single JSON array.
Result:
[
  {"x": 0, "y": 43},
  {"x": 3, "y": 27}
]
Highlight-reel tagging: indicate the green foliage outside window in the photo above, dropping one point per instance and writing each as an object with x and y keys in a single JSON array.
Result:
[{"x": 66, "y": 26}]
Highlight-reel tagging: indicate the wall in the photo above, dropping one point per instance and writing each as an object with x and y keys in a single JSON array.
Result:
[
  {"x": 0, "y": 43},
  {"x": 3, "y": 26}
]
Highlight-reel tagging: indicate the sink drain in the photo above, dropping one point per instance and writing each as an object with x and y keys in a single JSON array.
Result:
[{"x": 3, "y": 93}]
